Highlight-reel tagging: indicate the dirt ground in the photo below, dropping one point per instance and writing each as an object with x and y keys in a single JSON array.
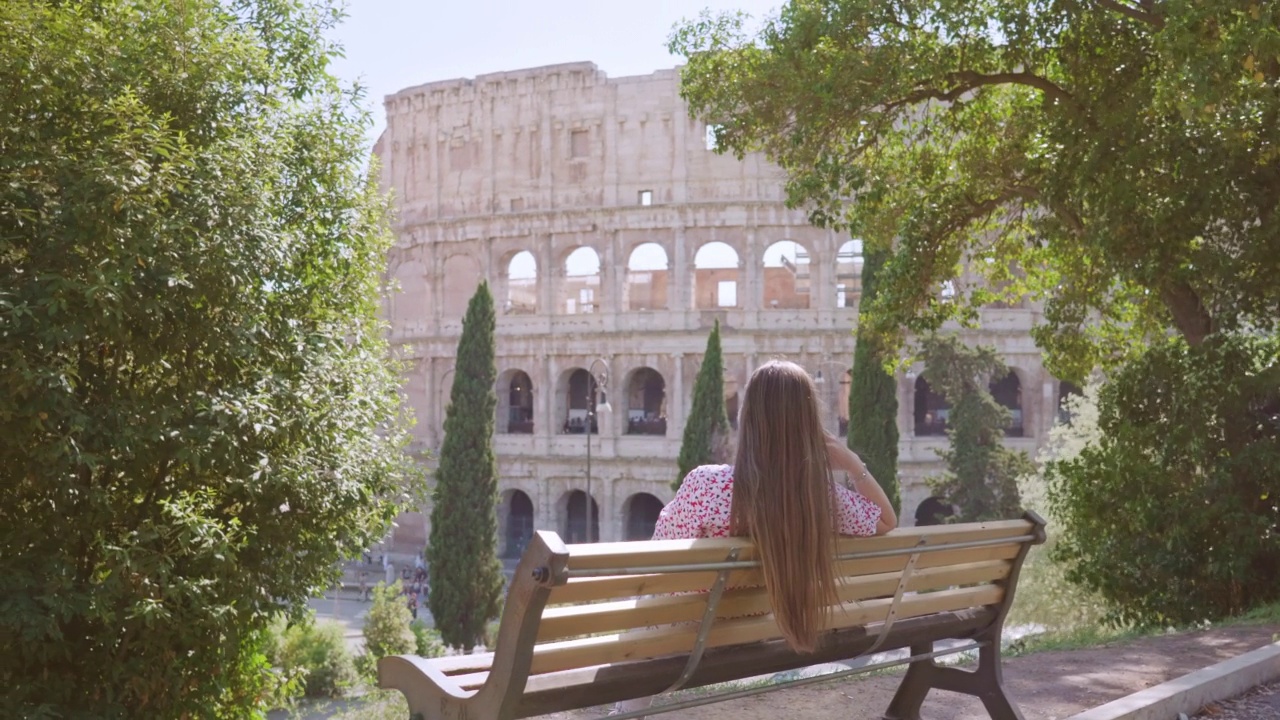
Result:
[{"x": 1049, "y": 685}]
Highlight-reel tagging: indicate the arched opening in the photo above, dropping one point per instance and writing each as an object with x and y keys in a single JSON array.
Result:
[
  {"x": 832, "y": 383},
  {"x": 731, "y": 408},
  {"x": 575, "y": 518},
  {"x": 716, "y": 277},
  {"x": 461, "y": 278},
  {"x": 641, "y": 513},
  {"x": 518, "y": 528},
  {"x": 931, "y": 410},
  {"x": 934, "y": 511},
  {"x": 446, "y": 397},
  {"x": 580, "y": 294},
  {"x": 648, "y": 275},
  {"x": 522, "y": 285},
  {"x": 519, "y": 404},
  {"x": 1008, "y": 392},
  {"x": 849, "y": 262},
  {"x": 646, "y": 403},
  {"x": 580, "y": 391},
  {"x": 1067, "y": 390},
  {"x": 410, "y": 301},
  {"x": 786, "y": 276}
]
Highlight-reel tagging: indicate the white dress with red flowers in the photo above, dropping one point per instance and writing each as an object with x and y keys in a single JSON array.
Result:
[{"x": 701, "y": 507}]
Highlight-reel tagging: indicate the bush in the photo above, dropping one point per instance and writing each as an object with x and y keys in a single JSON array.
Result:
[
  {"x": 1045, "y": 596},
  {"x": 427, "y": 642},
  {"x": 386, "y": 627},
  {"x": 320, "y": 653},
  {"x": 1174, "y": 515},
  {"x": 196, "y": 387}
]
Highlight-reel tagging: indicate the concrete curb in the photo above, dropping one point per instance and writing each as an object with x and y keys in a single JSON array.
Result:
[{"x": 1189, "y": 693}]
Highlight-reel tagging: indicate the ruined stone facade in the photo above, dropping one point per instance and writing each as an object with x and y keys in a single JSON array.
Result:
[{"x": 613, "y": 237}]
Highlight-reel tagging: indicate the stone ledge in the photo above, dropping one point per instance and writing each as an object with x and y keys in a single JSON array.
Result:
[{"x": 1191, "y": 692}]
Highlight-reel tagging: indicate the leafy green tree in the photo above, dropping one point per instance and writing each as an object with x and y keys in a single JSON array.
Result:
[
  {"x": 873, "y": 396},
  {"x": 1172, "y": 512},
  {"x": 982, "y": 474},
  {"x": 466, "y": 579},
  {"x": 1119, "y": 158},
  {"x": 198, "y": 417},
  {"x": 706, "y": 431}
]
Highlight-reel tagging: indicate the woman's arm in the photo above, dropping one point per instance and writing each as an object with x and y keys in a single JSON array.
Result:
[{"x": 842, "y": 458}]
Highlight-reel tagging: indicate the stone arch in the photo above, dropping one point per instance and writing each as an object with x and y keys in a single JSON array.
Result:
[
  {"x": 931, "y": 410},
  {"x": 1008, "y": 392},
  {"x": 574, "y": 391},
  {"x": 849, "y": 262},
  {"x": 640, "y": 514},
  {"x": 717, "y": 277},
  {"x": 572, "y": 509},
  {"x": 411, "y": 299},
  {"x": 520, "y": 284},
  {"x": 461, "y": 278},
  {"x": 648, "y": 278},
  {"x": 646, "y": 402},
  {"x": 786, "y": 276},
  {"x": 517, "y": 522},
  {"x": 580, "y": 290},
  {"x": 515, "y": 403},
  {"x": 445, "y": 391}
]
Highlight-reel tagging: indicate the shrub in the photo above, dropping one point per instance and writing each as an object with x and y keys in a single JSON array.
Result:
[
  {"x": 427, "y": 642},
  {"x": 320, "y": 652},
  {"x": 386, "y": 627},
  {"x": 196, "y": 389},
  {"x": 1174, "y": 515}
]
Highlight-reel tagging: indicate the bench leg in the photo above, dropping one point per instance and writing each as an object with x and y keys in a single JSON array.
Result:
[{"x": 985, "y": 683}]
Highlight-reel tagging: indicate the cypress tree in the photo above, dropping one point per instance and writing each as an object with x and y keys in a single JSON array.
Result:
[
  {"x": 466, "y": 578},
  {"x": 982, "y": 474},
  {"x": 707, "y": 428},
  {"x": 873, "y": 395}
]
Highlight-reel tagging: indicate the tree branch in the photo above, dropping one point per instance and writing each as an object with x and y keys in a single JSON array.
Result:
[
  {"x": 1129, "y": 11},
  {"x": 1190, "y": 316},
  {"x": 967, "y": 80}
]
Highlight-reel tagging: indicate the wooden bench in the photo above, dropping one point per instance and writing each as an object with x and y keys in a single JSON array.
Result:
[{"x": 588, "y": 625}]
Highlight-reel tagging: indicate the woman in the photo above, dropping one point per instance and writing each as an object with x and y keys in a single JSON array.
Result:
[{"x": 780, "y": 493}]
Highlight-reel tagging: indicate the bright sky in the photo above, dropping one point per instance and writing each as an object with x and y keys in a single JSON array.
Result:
[{"x": 395, "y": 44}]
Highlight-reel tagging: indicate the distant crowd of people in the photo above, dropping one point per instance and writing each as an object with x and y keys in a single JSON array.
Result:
[{"x": 413, "y": 583}]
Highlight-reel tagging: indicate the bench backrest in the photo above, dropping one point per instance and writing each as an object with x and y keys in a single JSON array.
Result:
[{"x": 582, "y": 606}]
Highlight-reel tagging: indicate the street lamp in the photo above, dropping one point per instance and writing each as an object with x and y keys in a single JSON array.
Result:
[{"x": 600, "y": 382}]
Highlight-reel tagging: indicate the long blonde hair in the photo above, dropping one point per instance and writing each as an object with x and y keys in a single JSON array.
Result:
[{"x": 782, "y": 498}]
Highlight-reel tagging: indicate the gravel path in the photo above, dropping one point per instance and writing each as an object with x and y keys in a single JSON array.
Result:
[{"x": 1260, "y": 703}]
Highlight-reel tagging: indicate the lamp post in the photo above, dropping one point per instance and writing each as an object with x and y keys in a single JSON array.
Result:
[{"x": 600, "y": 382}]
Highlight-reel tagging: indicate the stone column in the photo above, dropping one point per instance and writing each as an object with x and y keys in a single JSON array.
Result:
[
  {"x": 751, "y": 297},
  {"x": 680, "y": 278}
]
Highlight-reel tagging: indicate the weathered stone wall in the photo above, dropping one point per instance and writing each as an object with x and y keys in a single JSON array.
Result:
[{"x": 551, "y": 160}]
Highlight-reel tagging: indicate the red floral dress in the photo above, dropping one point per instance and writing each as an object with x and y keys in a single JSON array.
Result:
[{"x": 701, "y": 507}]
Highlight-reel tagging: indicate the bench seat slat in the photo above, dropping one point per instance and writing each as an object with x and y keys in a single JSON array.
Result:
[
  {"x": 610, "y": 556},
  {"x": 572, "y": 621},
  {"x": 640, "y": 644},
  {"x": 581, "y": 590}
]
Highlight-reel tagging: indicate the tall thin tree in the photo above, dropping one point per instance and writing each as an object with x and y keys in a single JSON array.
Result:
[
  {"x": 982, "y": 474},
  {"x": 873, "y": 394},
  {"x": 466, "y": 578},
  {"x": 706, "y": 432}
]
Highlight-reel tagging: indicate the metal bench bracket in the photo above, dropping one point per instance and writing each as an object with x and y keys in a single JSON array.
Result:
[
  {"x": 708, "y": 619},
  {"x": 892, "y": 617}
]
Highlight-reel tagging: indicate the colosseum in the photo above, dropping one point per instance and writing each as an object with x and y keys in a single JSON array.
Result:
[{"x": 613, "y": 238}]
